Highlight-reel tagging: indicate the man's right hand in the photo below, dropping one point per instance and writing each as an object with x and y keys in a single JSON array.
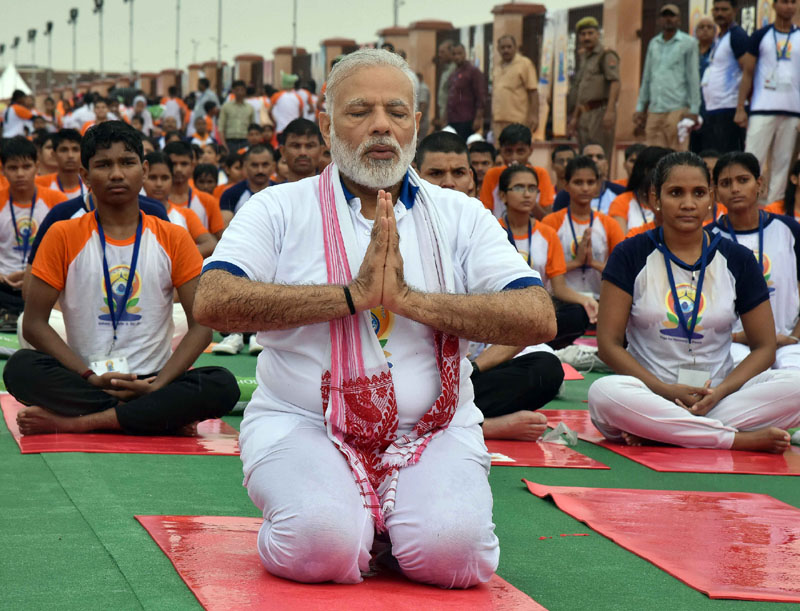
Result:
[
  {"x": 639, "y": 119},
  {"x": 740, "y": 118},
  {"x": 367, "y": 287}
]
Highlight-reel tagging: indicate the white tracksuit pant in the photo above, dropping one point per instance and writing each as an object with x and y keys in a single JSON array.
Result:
[
  {"x": 316, "y": 528},
  {"x": 786, "y": 357},
  {"x": 624, "y": 403}
]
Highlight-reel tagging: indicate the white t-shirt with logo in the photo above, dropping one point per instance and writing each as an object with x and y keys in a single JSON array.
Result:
[
  {"x": 721, "y": 79},
  {"x": 776, "y": 80}
]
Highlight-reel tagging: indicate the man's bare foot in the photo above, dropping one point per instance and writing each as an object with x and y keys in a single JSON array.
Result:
[
  {"x": 635, "y": 440},
  {"x": 524, "y": 425},
  {"x": 771, "y": 439},
  {"x": 34, "y": 420},
  {"x": 187, "y": 430}
]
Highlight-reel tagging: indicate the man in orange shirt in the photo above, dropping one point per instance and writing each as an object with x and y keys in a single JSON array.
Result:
[
  {"x": 23, "y": 206},
  {"x": 67, "y": 148},
  {"x": 516, "y": 145}
]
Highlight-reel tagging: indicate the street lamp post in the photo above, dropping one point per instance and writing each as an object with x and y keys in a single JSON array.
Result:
[
  {"x": 15, "y": 46},
  {"x": 177, "y": 34},
  {"x": 32, "y": 40},
  {"x": 98, "y": 8},
  {"x": 48, "y": 31},
  {"x": 73, "y": 21},
  {"x": 130, "y": 42}
]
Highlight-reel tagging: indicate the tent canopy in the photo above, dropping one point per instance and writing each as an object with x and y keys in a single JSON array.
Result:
[{"x": 11, "y": 80}]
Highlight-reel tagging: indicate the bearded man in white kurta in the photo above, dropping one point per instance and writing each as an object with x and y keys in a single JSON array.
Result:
[{"x": 365, "y": 285}]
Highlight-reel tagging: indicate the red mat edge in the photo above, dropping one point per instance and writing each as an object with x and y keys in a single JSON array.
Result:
[
  {"x": 152, "y": 518},
  {"x": 545, "y": 491},
  {"x": 595, "y": 464},
  {"x": 570, "y": 373},
  {"x": 17, "y": 437}
]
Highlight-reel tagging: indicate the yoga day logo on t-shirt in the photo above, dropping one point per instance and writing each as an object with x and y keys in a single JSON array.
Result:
[
  {"x": 767, "y": 271},
  {"x": 686, "y": 297},
  {"x": 26, "y": 230},
  {"x": 119, "y": 281},
  {"x": 784, "y": 44},
  {"x": 382, "y": 324}
]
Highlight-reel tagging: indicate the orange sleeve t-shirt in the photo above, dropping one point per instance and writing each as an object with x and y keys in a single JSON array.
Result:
[{"x": 490, "y": 195}]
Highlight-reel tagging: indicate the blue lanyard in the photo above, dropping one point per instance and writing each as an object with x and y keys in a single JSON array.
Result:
[
  {"x": 117, "y": 316},
  {"x": 91, "y": 203},
  {"x": 61, "y": 187},
  {"x": 782, "y": 54},
  {"x": 514, "y": 242},
  {"x": 761, "y": 216},
  {"x": 26, "y": 239},
  {"x": 572, "y": 228},
  {"x": 688, "y": 328}
]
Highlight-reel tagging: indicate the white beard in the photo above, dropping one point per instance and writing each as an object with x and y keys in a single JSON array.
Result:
[{"x": 368, "y": 172}]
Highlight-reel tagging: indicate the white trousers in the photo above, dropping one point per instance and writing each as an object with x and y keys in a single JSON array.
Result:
[
  {"x": 316, "y": 528},
  {"x": 786, "y": 357},
  {"x": 57, "y": 322},
  {"x": 776, "y": 132},
  {"x": 624, "y": 403}
]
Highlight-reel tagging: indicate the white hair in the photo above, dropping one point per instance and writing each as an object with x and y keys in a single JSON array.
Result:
[{"x": 367, "y": 58}]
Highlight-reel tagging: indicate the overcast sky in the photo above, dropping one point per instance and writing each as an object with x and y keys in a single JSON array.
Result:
[{"x": 248, "y": 26}]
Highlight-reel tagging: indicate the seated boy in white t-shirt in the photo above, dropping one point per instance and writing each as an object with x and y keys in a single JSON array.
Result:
[{"x": 114, "y": 273}]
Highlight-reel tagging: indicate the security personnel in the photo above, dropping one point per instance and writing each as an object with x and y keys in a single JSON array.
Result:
[{"x": 594, "y": 89}]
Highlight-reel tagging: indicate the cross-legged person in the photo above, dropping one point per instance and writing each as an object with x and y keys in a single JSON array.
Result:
[
  {"x": 114, "y": 273},
  {"x": 363, "y": 421},
  {"x": 674, "y": 294}
]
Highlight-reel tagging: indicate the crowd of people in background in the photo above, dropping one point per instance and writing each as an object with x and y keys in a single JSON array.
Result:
[{"x": 718, "y": 93}]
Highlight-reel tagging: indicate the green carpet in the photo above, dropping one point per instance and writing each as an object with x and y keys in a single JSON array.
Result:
[{"x": 70, "y": 541}]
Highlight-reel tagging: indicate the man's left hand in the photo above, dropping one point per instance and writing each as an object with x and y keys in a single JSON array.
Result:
[
  {"x": 132, "y": 389},
  {"x": 533, "y": 123},
  {"x": 395, "y": 288},
  {"x": 609, "y": 120},
  {"x": 477, "y": 125}
]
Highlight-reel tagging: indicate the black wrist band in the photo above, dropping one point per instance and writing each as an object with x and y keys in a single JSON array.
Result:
[
  {"x": 349, "y": 299},
  {"x": 475, "y": 368}
]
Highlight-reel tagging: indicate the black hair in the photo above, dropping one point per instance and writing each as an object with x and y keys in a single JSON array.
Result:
[
  {"x": 66, "y": 135},
  {"x": 17, "y": 95},
  {"x": 747, "y": 160},
  {"x": 197, "y": 150},
  {"x": 179, "y": 148},
  {"x": 231, "y": 159},
  {"x": 510, "y": 36},
  {"x": 441, "y": 142},
  {"x": 791, "y": 190},
  {"x": 208, "y": 106},
  {"x": 41, "y": 136},
  {"x": 634, "y": 149},
  {"x": 18, "y": 147},
  {"x": 172, "y": 90},
  {"x": 137, "y": 117},
  {"x": 157, "y": 157},
  {"x": 683, "y": 158},
  {"x": 171, "y": 134},
  {"x": 731, "y": 2},
  {"x": 105, "y": 134},
  {"x": 258, "y": 148},
  {"x": 204, "y": 82},
  {"x": 642, "y": 173},
  {"x": 204, "y": 169},
  {"x": 560, "y": 148},
  {"x": 514, "y": 134},
  {"x": 581, "y": 162},
  {"x": 255, "y": 126},
  {"x": 214, "y": 146},
  {"x": 505, "y": 178},
  {"x": 100, "y": 100},
  {"x": 481, "y": 146},
  {"x": 300, "y": 127},
  {"x": 713, "y": 153},
  {"x": 238, "y": 83}
]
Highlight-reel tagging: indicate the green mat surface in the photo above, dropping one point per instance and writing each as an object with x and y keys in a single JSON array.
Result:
[{"x": 70, "y": 542}]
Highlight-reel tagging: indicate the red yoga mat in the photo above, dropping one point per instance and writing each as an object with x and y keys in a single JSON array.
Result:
[
  {"x": 214, "y": 437},
  {"x": 586, "y": 341},
  {"x": 682, "y": 460},
  {"x": 535, "y": 454},
  {"x": 570, "y": 373},
  {"x": 726, "y": 544},
  {"x": 216, "y": 557}
]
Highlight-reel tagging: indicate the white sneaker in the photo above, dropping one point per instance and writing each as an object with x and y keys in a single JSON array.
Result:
[
  {"x": 582, "y": 358},
  {"x": 230, "y": 344},
  {"x": 253, "y": 347}
]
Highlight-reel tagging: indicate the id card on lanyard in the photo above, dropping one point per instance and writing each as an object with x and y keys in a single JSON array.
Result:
[
  {"x": 781, "y": 75},
  {"x": 514, "y": 241},
  {"x": 116, "y": 307},
  {"x": 690, "y": 376},
  {"x": 26, "y": 237}
]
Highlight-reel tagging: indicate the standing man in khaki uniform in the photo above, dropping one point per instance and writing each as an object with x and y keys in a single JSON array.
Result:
[
  {"x": 595, "y": 89},
  {"x": 515, "y": 98}
]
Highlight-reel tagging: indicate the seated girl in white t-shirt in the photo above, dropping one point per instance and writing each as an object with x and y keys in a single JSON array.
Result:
[
  {"x": 774, "y": 241},
  {"x": 675, "y": 293}
]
